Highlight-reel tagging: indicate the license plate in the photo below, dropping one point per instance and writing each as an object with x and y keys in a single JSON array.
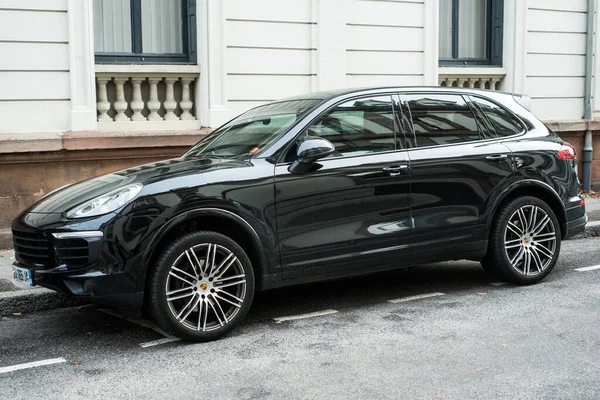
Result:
[{"x": 22, "y": 275}]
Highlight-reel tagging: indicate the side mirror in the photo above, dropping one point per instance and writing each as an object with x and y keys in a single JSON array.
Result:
[{"x": 310, "y": 149}]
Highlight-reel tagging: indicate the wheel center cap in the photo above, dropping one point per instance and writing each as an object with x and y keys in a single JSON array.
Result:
[
  {"x": 526, "y": 240},
  {"x": 204, "y": 286}
]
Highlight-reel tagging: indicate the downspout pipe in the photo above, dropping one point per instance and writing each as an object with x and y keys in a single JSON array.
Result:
[{"x": 589, "y": 71}]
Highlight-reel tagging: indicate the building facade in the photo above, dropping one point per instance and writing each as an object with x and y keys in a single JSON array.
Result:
[{"x": 92, "y": 86}]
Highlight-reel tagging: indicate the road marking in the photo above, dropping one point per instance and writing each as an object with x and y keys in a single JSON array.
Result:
[
  {"x": 588, "y": 268},
  {"x": 417, "y": 297},
  {"x": 137, "y": 321},
  {"x": 33, "y": 364},
  {"x": 302, "y": 316},
  {"x": 160, "y": 341},
  {"x": 498, "y": 283}
]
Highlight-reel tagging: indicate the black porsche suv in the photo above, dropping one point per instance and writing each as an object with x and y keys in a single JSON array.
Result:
[{"x": 315, "y": 187}]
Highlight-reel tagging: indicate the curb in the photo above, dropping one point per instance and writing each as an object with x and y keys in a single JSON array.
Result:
[
  {"x": 41, "y": 299},
  {"x": 27, "y": 301}
]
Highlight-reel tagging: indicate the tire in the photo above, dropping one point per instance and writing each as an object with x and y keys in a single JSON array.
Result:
[
  {"x": 198, "y": 300},
  {"x": 524, "y": 242}
]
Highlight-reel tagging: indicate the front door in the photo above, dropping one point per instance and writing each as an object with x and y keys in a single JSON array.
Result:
[
  {"x": 354, "y": 211},
  {"x": 457, "y": 168}
]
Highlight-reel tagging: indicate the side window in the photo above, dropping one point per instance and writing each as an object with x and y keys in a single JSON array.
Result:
[
  {"x": 359, "y": 126},
  {"x": 503, "y": 122},
  {"x": 440, "y": 119}
]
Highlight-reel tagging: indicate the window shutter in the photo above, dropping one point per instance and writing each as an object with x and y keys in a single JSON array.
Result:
[
  {"x": 191, "y": 31},
  {"x": 497, "y": 32}
]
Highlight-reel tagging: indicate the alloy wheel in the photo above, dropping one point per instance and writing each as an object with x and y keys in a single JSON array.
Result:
[
  {"x": 530, "y": 240},
  {"x": 205, "y": 287}
]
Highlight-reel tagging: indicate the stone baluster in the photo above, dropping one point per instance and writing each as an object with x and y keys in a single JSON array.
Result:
[
  {"x": 494, "y": 83},
  {"x": 103, "y": 105},
  {"x": 120, "y": 105},
  {"x": 137, "y": 104},
  {"x": 461, "y": 82},
  {"x": 154, "y": 103},
  {"x": 186, "y": 102},
  {"x": 472, "y": 82},
  {"x": 170, "y": 103}
]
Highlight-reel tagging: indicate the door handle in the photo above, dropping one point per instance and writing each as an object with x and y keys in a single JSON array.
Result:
[
  {"x": 497, "y": 158},
  {"x": 396, "y": 170}
]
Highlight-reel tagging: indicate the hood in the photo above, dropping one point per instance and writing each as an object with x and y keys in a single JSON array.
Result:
[{"x": 66, "y": 198}]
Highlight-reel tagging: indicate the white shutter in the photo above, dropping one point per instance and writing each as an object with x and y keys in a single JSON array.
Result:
[{"x": 112, "y": 26}]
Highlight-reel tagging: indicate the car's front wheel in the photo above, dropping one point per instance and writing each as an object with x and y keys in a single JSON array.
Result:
[
  {"x": 524, "y": 241},
  {"x": 201, "y": 287}
]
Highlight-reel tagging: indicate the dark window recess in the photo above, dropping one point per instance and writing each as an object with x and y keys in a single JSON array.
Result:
[
  {"x": 440, "y": 119},
  {"x": 502, "y": 122},
  {"x": 145, "y": 32},
  {"x": 471, "y": 32},
  {"x": 359, "y": 127}
]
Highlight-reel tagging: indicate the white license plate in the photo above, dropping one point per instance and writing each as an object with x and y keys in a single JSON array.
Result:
[{"x": 22, "y": 275}]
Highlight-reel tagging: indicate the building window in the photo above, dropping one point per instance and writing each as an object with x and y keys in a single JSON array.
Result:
[
  {"x": 145, "y": 31},
  {"x": 471, "y": 32}
]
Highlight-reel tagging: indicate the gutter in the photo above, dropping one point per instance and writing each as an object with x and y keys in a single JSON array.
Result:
[{"x": 589, "y": 70}]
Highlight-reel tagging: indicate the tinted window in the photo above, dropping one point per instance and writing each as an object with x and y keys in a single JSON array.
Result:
[
  {"x": 501, "y": 120},
  {"x": 358, "y": 127},
  {"x": 439, "y": 119}
]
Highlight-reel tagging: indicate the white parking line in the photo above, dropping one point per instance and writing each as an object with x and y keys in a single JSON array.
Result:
[
  {"x": 33, "y": 364},
  {"x": 588, "y": 268},
  {"x": 137, "y": 321},
  {"x": 417, "y": 297},
  {"x": 302, "y": 316},
  {"x": 160, "y": 341},
  {"x": 498, "y": 283}
]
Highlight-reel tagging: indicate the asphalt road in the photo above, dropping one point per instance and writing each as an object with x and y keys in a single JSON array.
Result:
[{"x": 475, "y": 341}]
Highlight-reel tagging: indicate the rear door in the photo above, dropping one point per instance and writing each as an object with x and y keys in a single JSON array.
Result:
[{"x": 457, "y": 167}]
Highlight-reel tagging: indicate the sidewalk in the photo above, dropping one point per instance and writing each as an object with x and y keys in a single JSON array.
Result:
[{"x": 16, "y": 297}]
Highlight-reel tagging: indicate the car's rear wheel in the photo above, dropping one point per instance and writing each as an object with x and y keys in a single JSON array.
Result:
[
  {"x": 201, "y": 287},
  {"x": 524, "y": 241}
]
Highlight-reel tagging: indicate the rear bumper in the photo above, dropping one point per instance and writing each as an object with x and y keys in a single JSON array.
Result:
[{"x": 575, "y": 227}]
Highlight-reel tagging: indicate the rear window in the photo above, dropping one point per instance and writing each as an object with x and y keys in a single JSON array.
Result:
[{"x": 502, "y": 121}]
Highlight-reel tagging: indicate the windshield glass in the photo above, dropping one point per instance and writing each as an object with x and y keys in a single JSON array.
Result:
[{"x": 252, "y": 131}]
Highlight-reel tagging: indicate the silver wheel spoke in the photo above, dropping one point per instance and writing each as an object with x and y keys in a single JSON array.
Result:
[
  {"x": 517, "y": 257},
  {"x": 218, "y": 280},
  {"x": 186, "y": 307},
  {"x": 190, "y": 309},
  {"x": 200, "y": 308},
  {"x": 536, "y": 259},
  {"x": 515, "y": 229},
  {"x": 532, "y": 218},
  {"x": 512, "y": 246},
  {"x": 194, "y": 263},
  {"x": 231, "y": 284},
  {"x": 228, "y": 262},
  {"x": 541, "y": 225},
  {"x": 550, "y": 239},
  {"x": 222, "y": 292},
  {"x": 238, "y": 305},
  {"x": 182, "y": 296},
  {"x": 210, "y": 303},
  {"x": 174, "y": 268},
  {"x": 210, "y": 259},
  {"x": 522, "y": 220},
  {"x": 549, "y": 235},
  {"x": 180, "y": 290},
  {"x": 544, "y": 251},
  {"x": 526, "y": 262},
  {"x": 173, "y": 274}
]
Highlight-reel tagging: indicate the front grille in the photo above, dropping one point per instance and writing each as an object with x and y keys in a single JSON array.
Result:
[
  {"x": 74, "y": 252},
  {"x": 32, "y": 249}
]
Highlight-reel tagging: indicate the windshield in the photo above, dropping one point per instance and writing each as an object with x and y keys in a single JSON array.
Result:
[{"x": 252, "y": 131}]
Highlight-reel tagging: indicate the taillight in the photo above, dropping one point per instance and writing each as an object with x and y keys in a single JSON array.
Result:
[{"x": 567, "y": 152}]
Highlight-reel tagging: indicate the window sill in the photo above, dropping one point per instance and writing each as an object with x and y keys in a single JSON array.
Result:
[
  {"x": 472, "y": 71},
  {"x": 147, "y": 69}
]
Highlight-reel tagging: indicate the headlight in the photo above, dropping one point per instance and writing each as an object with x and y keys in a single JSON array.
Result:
[{"x": 106, "y": 203}]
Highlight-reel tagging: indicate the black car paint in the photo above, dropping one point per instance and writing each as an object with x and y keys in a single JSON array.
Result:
[{"x": 306, "y": 227}]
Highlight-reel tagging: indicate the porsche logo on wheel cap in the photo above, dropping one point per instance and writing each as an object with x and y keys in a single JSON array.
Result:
[{"x": 204, "y": 286}]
